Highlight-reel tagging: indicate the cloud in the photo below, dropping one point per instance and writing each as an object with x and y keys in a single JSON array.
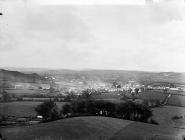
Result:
[
  {"x": 167, "y": 10},
  {"x": 56, "y": 22},
  {"x": 145, "y": 37}
]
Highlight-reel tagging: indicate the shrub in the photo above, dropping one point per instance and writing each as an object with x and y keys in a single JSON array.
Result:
[{"x": 49, "y": 110}]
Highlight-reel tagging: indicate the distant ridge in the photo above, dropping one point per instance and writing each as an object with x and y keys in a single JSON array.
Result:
[{"x": 16, "y": 76}]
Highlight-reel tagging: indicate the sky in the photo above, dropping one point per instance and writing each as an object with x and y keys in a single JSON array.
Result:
[{"x": 141, "y": 35}]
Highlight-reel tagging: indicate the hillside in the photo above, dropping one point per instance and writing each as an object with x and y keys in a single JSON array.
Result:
[
  {"x": 123, "y": 76},
  {"x": 6, "y": 77},
  {"x": 107, "y": 76},
  {"x": 79, "y": 128},
  {"x": 91, "y": 128}
]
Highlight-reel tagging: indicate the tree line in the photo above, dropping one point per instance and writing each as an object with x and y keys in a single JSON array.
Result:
[{"x": 124, "y": 110}]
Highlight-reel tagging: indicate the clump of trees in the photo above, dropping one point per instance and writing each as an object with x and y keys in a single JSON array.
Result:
[
  {"x": 83, "y": 107},
  {"x": 127, "y": 110},
  {"x": 6, "y": 97},
  {"x": 152, "y": 102},
  {"x": 48, "y": 110}
]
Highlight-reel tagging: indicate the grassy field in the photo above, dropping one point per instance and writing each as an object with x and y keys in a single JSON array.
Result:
[
  {"x": 152, "y": 95},
  {"x": 92, "y": 128},
  {"x": 21, "y": 109},
  {"x": 176, "y": 100},
  {"x": 107, "y": 96},
  {"x": 78, "y": 128},
  {"x": 163, "y": 115},
  {"x": 23, "y": 91},
  {"x": 143, "y": 131}
]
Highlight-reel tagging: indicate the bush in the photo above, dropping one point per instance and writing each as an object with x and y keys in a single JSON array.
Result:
[
  {"x": 49, "y": 110},
  {"x": 177, "y": 117}
]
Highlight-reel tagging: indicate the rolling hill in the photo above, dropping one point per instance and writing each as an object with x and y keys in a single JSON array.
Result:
[
  {"x": 9, "y": 78},
  {"x": 108, "y": 76},
  {"x": 15, "y": 76},
  {"x": 92, "y": 128}
]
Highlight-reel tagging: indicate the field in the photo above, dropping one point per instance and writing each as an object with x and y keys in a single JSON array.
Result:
[
  {"x": 23, "y": 91},
  {"x": 79, "y": 128},
  {"x": 163, "y": 115},
  {"x": 152, "y": 95},
  {"x": 176, "y": 100},
  {"x": 107, "y": 96},
  {"x": 143, "y": 131},
  {"x": 21, "y": 109},
  {"x": 92, "y": 128}
]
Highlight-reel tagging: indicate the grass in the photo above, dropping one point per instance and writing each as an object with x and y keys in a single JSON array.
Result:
[
  {"x": 23, "y": 91},
  {"x": 78, "y": 128},
  {"x": 92, "y": 128},
  {"x": 142, "y": 131},
  {"x": 176, "y": 100},
  {"x": 107, "y": 96},
  {"x": 21, "y": 108},
  {"x": 164, "y": 115},
  {"x": 156, "y": 95}
]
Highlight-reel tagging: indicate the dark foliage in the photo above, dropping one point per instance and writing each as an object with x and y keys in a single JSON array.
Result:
[
  {"x": 128, "y": 110},
  {"x": 48, "y": 110}
]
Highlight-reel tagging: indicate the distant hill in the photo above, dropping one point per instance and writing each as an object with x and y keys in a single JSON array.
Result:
[
  {"x": 117, "y": 75},
  {"x": 92, "y": 128},
  {"x": 15, "y": 76},
  {"x": 108, "y": 76}
]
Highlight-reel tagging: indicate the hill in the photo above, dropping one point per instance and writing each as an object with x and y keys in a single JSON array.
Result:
[
  {"x": 79, "y": 128},
  {"x": 123, "y": 76},
  {"x": 91, "y": 128},
  {"x": 108, "y": 75},
  {"x": 8, "y": 77}
]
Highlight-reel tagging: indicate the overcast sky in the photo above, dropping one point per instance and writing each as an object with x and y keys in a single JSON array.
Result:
[{"x": 134, "y": 35}]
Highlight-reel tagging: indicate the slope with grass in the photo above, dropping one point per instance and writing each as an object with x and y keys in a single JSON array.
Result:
[
  {"x": 143, "y": 131},
  {"x": 78, "y": 128},
  {"x": 92, "y": 128},
  {"x": 164, "y": 115},
  {"x": 22, "y": 108}
]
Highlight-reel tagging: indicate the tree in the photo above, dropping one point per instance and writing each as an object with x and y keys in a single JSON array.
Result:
[
  {"x": 49, "y": 110},
  {"x": 136, "y": 90},
  {"x": 86, "y": 94},
  {"x": 67, "y": 110},
  {"x": 6, "y": 97}
]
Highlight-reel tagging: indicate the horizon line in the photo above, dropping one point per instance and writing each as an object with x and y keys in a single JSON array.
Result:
[{"x": 86, "y": 69}]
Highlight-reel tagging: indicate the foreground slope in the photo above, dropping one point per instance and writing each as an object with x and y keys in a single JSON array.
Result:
[
  {"x": 93, "y": 128},
  {"x": 78, "y": 128},
  {"x": 143, "y": 131}
]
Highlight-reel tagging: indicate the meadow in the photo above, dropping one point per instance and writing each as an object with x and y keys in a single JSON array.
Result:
[
  {"x": 21, "y": 108},
  {"x": 92, "y": 128},
  {"x": 78, "y": 128},
  {"x": 164, "y": 115},
  {"x": 23, "y": 91},
  {"x": 154, "y": 95},
  {"x": 177, "y": 100}
]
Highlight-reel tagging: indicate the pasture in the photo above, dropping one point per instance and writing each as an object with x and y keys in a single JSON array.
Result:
[
  {"x": 92, "y": 128},
  {"x": 107, "y": 96},
  {"x": 148, "y": 95},
  {"x": 21, "y": 108},
  {"x": 23, "y": 91},
  {"x": 78, "y": 128},
  {"x": 177, "y": 100},
  {"x": 163, "y": 115}
]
